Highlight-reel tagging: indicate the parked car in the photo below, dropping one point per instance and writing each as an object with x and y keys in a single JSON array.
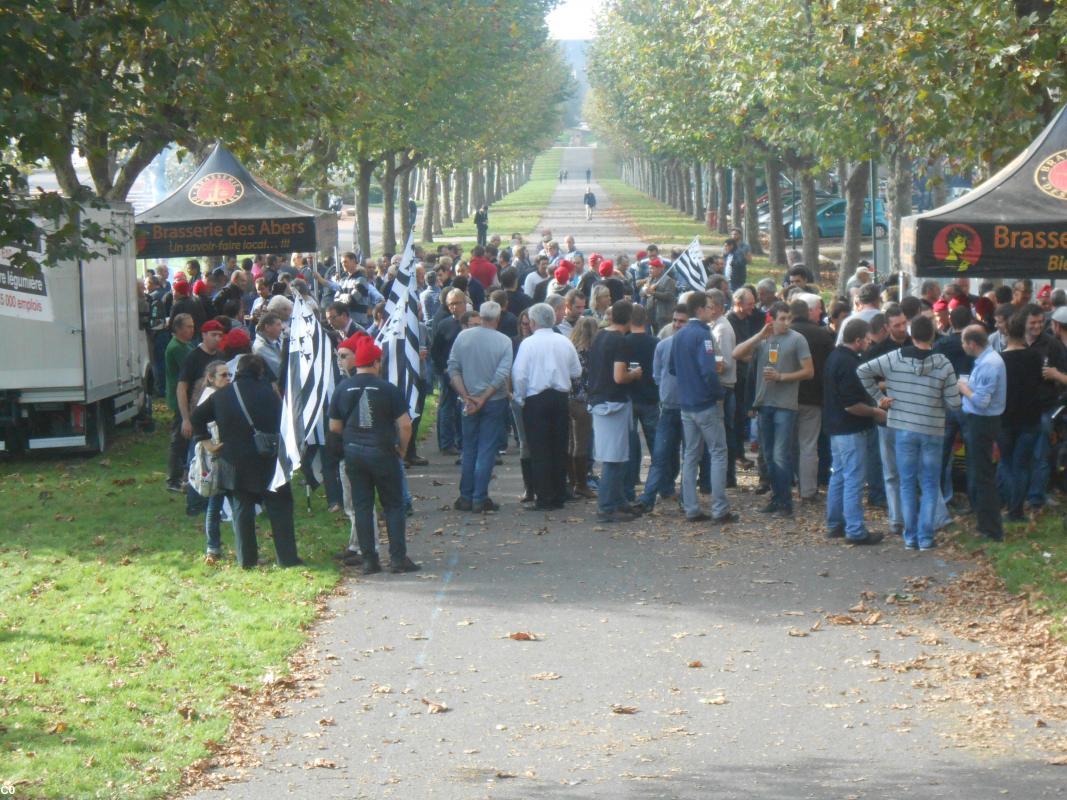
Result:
[{"x": 830, "y": 219}]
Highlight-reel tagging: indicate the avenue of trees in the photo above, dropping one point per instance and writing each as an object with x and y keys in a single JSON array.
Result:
[
  {"x": 744, "y": 91},
  {"x": 313, "y": 95}
]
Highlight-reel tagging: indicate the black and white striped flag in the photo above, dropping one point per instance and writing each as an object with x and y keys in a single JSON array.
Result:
[
  {"x": 399, "y": 336},
  {"x": 690, "y": 266},
  {"x": 309, "y": 383}
]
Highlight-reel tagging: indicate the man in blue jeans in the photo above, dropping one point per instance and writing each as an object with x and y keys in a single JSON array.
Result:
[
  {"x": 479, "y": 367},
  {"x": 782, "y": 359},
  {"x": 445, "y": 333},
  {"x": 847, "y": 416},
  {"x": 920, "y": 385},
  {"x": 665, "y": 462},
  {"x": 695, "y": 366}
]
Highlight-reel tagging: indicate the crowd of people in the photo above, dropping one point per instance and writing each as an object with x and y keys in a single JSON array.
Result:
[{"x": 577, "y": 358}]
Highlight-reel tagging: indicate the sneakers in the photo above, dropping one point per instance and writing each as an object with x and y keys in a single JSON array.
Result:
[
  {"x": 927, "y": 547},
  {"x": 700, "y": 516},
  {"x": 211, "y": 559},
  {"x": 640, "y": 507},
  {"x": 763, "y": 488},
  {"x": 637, "y": 509},
  {"x": 835, "y": 533},
  {"x": 771, "y": 508},
  {"x": 372, "y": 566},
  {"x": 911, "y": 545},
  {"x": 486, "y": 506},
  {"x": 335, "y": 509},
  {"x": 462, "y": 504},
  {"x": 417, "y": 461},
  {"x": 726, "y": 518},
  {"x": 406, "y": 565},
  {"x": 174, "y": 486}
]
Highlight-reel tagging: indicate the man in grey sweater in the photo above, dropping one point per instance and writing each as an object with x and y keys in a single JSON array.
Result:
[
  {"x": 919, "y": 385},
  {"x": 479, "y": 367}
]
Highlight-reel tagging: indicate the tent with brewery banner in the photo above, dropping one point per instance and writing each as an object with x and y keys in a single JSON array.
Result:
[
  {"x": 222, "y": 210},
  {"x": 1013, "y": 225}
]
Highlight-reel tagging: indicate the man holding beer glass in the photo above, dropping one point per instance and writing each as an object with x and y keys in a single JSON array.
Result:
[{"x": 783, "y": 359}]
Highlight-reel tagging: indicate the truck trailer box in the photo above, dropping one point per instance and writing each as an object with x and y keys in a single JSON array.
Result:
[{"x": 75, "y": 357}]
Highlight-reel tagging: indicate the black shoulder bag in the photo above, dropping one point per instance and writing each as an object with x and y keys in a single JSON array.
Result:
[{"x": 266, "y": 443}]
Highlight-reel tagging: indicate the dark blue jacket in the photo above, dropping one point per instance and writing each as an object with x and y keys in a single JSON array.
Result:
[{"x": 693, "y": 363}]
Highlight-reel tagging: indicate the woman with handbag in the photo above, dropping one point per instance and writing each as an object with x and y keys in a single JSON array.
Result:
[{"x": 248, "y": 413}]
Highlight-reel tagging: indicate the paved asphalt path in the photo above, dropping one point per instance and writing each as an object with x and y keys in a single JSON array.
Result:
[{"x": 621, "y": 615}]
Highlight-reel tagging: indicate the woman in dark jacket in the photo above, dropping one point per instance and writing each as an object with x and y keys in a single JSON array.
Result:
[{"x": 244, "y": 473}]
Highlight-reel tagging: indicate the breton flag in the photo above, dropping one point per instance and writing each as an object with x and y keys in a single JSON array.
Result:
[
  {"x": 399, "y": 336},
  {"x": 309, "y": 382},
  {"x": 690, "y": 265}
]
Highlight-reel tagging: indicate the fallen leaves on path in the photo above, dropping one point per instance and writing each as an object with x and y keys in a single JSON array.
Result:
[
  {"x": 718, "y": 700},
  {"x": 321, "y": 763},
  {"x": 522, "y": 636},
  {"x": 695, "y": 664},
  {"x": 546, "y": 676},
  {"x": 841, "y": 619},
  {"x": 435, "y": 708},
  {"x": 797, "y": 632},
  {"x": 617, "y": 709}
]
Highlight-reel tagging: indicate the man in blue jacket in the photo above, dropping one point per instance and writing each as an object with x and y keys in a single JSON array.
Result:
[{"x": 694, "y": 364}]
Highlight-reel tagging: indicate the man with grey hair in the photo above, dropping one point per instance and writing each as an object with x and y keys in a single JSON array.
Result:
[
  {"x": 558, "y": 305},
  {"x": 766, "y": 294},
  {"x": 722, "y": 332},
  {"x": 478, "y": 368},
  {"x": 805, "y": 309},
  {"x": 541, "y": 379},
  {"x": 867, "y": 305}
]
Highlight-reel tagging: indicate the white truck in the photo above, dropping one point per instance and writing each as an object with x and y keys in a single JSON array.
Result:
[{"x": 75, "y": 360}]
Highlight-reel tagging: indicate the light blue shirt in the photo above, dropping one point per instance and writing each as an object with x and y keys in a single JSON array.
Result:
[
  {"x": 989, "y": 383},
  {"x": 661, "y": 373}
]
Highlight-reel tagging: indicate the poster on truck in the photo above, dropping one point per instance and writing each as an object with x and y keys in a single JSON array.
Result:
[{"x": 24, "y": 290}]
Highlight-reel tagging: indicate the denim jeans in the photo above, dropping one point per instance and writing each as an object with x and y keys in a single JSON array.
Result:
[
  {"x": 610, "y": 496},
  {"x": 953, "y": 425},
  {"x": 448, "y": 417},
  {"x": 664, "y": 469},
  {"x": 981, "y": 434},
  {"x": 212, "y": 522},
  {"x": 776, "y": 426},
  {"x": 876, "y": 495},
  {"x": 370, "y": 469},
  {"x": 704, "y": 428},
  {"x": 844, "y": 498},
  {"x": 481, "y": 438},
  {"x": 1040, "y": 470},
  {"x": 1017, "y": 446},
  {"x": 646, "y": 415},
  {"x": 919, "y": 464},
  {"x": 887, "y": 451}
]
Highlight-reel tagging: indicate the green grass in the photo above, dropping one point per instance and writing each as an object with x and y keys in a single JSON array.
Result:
[
  {"x": 520, "y": 211},
  {"x": 118, "y": 645},
  {"x": 1032, "y": 559}
]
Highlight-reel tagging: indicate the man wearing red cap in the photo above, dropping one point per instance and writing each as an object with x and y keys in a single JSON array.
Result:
[
  {"x": 185, "y": 303},
  {"x": 370, "y": 416},
  {"x": 560, "y": 283}
]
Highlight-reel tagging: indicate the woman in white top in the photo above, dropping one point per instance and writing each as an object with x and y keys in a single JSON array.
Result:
[{"x": 216, "y": 376}]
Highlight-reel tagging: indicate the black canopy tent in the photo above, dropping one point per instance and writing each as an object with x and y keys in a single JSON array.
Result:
[
  {"x": 223, "y": 210},
  {"x": 1013, "y": 225}
]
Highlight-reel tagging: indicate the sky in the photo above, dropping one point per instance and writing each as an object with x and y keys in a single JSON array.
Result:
[{"x": 574, "y": 19}]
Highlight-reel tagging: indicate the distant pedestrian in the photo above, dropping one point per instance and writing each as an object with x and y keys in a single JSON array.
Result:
[
  {"x": 481, "y": 222},
  {"x": 590, "y": 203},
  {"x": 588, "y": 175}
]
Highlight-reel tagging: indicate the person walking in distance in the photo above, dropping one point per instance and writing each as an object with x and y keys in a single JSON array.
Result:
[
  {"x": 590, "y": 203},
  {"x": 481, "y": 222}
]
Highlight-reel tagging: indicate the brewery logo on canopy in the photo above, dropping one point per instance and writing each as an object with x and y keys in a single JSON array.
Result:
[
  {"x": 1051, "y": 175},
  {"x": 958, "y": 245},
  {"x": 216, "y": 189}
]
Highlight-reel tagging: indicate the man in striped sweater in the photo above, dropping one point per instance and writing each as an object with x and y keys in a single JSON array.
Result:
[{"x": 918, "y": 385}]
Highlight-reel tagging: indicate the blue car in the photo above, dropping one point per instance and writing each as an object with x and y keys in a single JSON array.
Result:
[{"x": 831, "y": 220}]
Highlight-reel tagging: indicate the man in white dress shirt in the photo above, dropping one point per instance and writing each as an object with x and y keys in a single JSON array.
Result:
[{"x": 541, "y": 381}]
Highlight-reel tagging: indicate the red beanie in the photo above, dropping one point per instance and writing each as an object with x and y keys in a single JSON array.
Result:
[
  {"x": 568, "y": 265},
  {"x": 212, "y": 325},
  {"x": 641, "y": 254},
  {"x": 562, "y": 275},
  {"x": 180, "y": 288},
  {"x": 199, "y": 288},
  {"x": 1045, "y": 291},
  {"x": 236, "y": 341},
  {"x": 655, "y": 262},
  {"x": 352, "y": 341},
  {"x": 367, "y": 352},
  {"x": 940, "y": 306},
  {"x": 606, "y": 268},
  {"x": 595, "y": 258}
]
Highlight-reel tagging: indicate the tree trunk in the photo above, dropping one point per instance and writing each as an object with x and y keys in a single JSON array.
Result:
[
  {"x": 775, "y": 225},
  {"x": 446, "y": 198},
  {"x": 438, "y": 180},
  {"x": 843, "y": 174},
  {"x": 489, "y": 181},
  {"x": 723, "y": 190},
  {"x": 808, "y": 209},
  {"x": 459, "y": 207},
  {"x": 387, "y": 179},
  {"x": 684, "y": 173},
  {"x": 698, "y": 191},
  {"x": 364, "y": 170},
  {"x": 736, "y": 194},
  {"x": 477, "y": 198},
  {"x": 855, "y": 193},
  {"x": 751, "y": 229},
  {"x": 898, "y": 203},
  {"x": 405, "y": 195},
  {"x": 431, "y": 196},
  {"x": 501, "y": 186},
  {"x": 935, "y": 183}
]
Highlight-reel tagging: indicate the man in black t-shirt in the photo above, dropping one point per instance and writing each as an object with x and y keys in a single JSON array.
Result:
[
  {"x": 371, "y": 417},
  {"x": 610, "y": 406},
  {"x": 644, "y": 394}
]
